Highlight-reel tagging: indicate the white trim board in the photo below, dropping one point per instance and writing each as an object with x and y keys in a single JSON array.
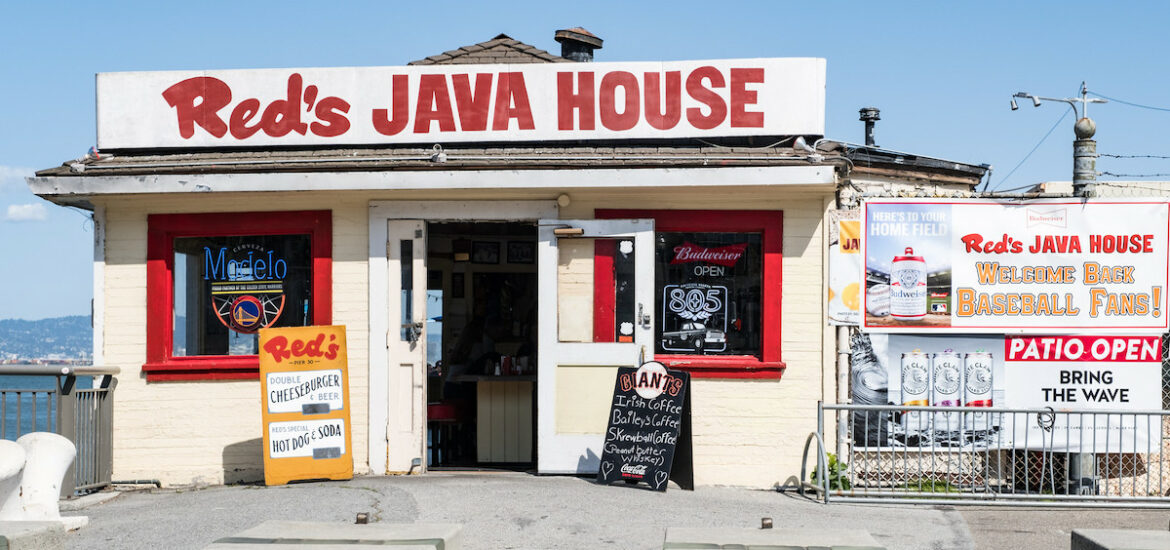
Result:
[
  {"x": 819, "y": 175},
  {"x": 380, "y": 212},
  {"x": 98, "y": 306}
]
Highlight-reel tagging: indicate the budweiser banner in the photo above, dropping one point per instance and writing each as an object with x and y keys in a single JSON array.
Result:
[
  {"x": 1055, "y": 266},
  {"x": 461, "y": 103}
]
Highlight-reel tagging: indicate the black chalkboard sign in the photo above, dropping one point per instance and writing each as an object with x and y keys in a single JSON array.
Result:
[{"x": 649, "y": 428}]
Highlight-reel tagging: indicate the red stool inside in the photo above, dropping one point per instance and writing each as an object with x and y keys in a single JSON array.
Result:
[{"x": 445, "y": 430}]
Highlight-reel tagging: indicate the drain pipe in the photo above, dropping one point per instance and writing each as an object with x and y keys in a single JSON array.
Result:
[
  {"x": 155, "y": 482},
  {"x": 843, "y": 376}
]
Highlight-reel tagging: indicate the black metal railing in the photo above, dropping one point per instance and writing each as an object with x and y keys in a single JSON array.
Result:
[{"x": 84, "y": 415}]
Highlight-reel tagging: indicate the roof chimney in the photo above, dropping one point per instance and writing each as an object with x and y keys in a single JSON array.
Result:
[
  {"x": 577, "y": 44},
  {"x": 869, "y": 115}
]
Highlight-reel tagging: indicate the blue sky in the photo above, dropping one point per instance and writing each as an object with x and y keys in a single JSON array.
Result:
[{"x": 941, "y": 73}]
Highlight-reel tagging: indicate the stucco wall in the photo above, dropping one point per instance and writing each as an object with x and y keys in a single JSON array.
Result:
[
  {"x": 210, "y": 432},
  {"x": 746, "y": 432}
]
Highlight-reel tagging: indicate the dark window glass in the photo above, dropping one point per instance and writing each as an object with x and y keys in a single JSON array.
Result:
[
  {"x": 406, "y": 296},
  {"x": 228, "y": 288},
  {"x": 708, "y": 293},
  {"x": 623, "y": 280}
]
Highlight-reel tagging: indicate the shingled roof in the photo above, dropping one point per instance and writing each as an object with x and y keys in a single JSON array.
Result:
[{"x": 501, "y": 49}]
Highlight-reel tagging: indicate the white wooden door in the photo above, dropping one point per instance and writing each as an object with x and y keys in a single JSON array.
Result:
[
  {"x": 575, "y": 373},
  {"x": 406, "y": 345}
]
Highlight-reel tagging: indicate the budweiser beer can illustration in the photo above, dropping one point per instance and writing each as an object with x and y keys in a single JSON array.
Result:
[
  {"x": 977, "y": 389},
  {"x": 946, "y": 386},
  {"x": 908, "y": 287},
  {"x": 915, "y": 389}
]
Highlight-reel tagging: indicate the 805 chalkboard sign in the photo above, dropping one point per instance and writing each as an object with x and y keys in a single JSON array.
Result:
[{"x": 649, "y": 428}]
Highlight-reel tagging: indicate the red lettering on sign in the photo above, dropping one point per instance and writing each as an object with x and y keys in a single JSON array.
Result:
[
  {"x": 724, "y": 255},
  {"x": 280, "y": 348},
  {"x": 512, "y": 102},
  {"x": 707, "y": 96},
  {"x": 580, "y": 101},
  {"x": 241, "y": 115},
  {"x": 399, "y": 105},
  {"x": 284, "y": 115},
  {"x": 331, "y": 113},
  {"x": 663, "y": 111},
  {"x": 434, "y": 105},
  {"x": 610, "y": 117},
  {"x": 473, "y": 107},
  {"x": 196, "y": 101},
  {"x": 741, "y": 97},
  {"x": 199, "y": 100}
]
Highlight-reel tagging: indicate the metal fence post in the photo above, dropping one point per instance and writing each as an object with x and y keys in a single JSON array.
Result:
[
  {"x": 67, "y": 427},
  {"x": 105, "y": 449}
]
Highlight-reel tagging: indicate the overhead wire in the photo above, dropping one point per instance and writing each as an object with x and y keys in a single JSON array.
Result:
[
  {"x": 1140, "y": 106},
  {"x": 1130, "y": 103},
  {"x": 1134, "y": 156},
  {"x": 1038, "y": 144},
  {"x": 1163, "y": 175}
]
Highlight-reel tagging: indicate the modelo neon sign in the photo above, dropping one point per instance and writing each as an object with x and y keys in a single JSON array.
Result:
[{"x": 266, "y": 267}]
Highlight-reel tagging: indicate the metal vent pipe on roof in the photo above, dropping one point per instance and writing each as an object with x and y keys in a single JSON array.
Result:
[
  {"x": 869, "y": 115},
  {"x": 577, "y": 44}
]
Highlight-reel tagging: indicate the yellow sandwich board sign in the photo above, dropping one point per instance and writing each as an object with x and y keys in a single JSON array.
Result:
[{"x": 305, "y": 383}]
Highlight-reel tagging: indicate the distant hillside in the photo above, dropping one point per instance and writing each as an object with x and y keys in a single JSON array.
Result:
[{"x": 57, "y": 338}]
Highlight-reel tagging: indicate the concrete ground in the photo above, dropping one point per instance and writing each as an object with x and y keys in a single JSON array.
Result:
[{"x": 523, "y": 511}]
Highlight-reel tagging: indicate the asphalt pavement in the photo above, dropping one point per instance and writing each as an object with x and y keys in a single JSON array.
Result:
[{"x": 522, "y": 511}]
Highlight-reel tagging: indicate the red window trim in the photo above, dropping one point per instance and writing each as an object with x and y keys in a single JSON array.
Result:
[
  {"x": 768, "y": 222},
  {"x": 162, "y": 229}
]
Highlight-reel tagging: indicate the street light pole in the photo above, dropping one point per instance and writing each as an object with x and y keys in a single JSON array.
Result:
[{"x": 1084, "y": 147}]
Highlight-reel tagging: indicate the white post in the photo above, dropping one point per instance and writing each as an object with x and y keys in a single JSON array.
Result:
[
  {"x": 11, "y": 467},
  {"x": 47, "y": 458}
]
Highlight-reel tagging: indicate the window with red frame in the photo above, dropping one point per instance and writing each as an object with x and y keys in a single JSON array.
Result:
[
  {"x": 215, "y": 280},
  {"x": 717, "y": 290}
]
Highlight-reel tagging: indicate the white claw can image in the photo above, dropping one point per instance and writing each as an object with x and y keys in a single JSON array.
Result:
[
  {"x": 908, "y": 287},
  {"x": 977, "y": 389},
  {"x": 916, "y": 390},
  {"x": 946, "y": 387}
]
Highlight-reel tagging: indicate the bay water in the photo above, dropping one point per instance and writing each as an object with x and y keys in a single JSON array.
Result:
[{"x": 34, "y": 409}]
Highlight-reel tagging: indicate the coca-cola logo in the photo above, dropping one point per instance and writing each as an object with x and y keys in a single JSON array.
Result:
[
  {"x": 639, "y": 470},
  {"x": 723, "y": 255}
]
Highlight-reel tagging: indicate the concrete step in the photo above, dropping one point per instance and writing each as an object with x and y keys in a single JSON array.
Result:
[
  {"x": 274, "y": 535},
  {"x": 32, "y": 535},
  {"x": 1119, "y": 539},
  {"x": 714, "y": 538}
]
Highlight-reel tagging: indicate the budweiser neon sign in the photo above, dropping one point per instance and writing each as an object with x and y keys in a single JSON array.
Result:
[{"x": 724, "y": 255}]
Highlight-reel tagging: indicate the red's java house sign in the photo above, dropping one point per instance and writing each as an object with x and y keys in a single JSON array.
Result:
[{"x": 445, "y": 104}]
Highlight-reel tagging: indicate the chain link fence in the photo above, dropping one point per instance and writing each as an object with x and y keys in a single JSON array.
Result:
[{"x": 1166, "y": 372}]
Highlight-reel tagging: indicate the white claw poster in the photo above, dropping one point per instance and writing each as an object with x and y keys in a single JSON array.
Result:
[{"x": 1051, "y": 266}]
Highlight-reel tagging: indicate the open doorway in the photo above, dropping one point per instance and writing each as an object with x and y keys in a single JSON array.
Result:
[{"x": 481, "y": 336}]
